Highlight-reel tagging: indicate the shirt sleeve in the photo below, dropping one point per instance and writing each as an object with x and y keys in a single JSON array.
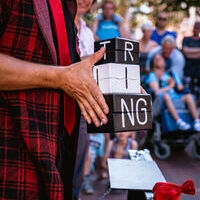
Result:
[
  {"x": 151, "y": 78},
  {"x": 173, "y": 34},
  {"x": 149, "y": 60},
  {"x": 117, "y": 18},
  {"x": 151, "y": 54},
  {"x": 99, "y": 17},
  {"x": 177, "y": 79},
  {"x": 178, "y": 63},
  {"x": 153, "y": 36}
]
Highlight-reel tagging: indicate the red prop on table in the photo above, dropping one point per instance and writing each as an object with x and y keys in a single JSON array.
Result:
[{"x": 170, "y": 191}]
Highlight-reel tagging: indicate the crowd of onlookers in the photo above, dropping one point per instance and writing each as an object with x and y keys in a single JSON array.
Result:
[{"x": 165, "y": 69}]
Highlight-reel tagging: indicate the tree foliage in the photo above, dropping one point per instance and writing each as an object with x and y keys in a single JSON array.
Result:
[
  {"x": 169, "y": 5},
  {"x": 172, "y": 5},
  {"x": 177, "y": 9}
]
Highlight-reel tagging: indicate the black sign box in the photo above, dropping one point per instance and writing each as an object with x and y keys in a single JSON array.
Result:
[
  {"x": 117, "y": 102},
  {"x": 127, "y": 113},
  {"x": 118, "y": 56},
  {"x": 117, "y": 44}
]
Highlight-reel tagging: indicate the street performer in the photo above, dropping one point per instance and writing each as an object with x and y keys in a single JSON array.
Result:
[{"x": 42, "y": 82}]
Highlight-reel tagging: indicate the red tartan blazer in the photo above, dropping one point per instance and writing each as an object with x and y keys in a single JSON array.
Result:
[{"x": 29, "y": 119}]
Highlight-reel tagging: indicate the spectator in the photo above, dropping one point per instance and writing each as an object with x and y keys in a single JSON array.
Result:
[
  {"x": 174, "y": 59},
  {"x": 162, "y": 81},
  {"x": 96, "y": 150},
  {"x": 122, "y": 143},
  {"x": 191, "y": 50},
  {"x": 160, "y": 32},
  {"x": 86, "y": 46},
  {"x": 85, "y": 34},
  {"x": 108, "y": 24},
  {"x": 146, "y": 45}
]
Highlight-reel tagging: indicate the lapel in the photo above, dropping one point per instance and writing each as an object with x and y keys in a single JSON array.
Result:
[{"x": 42, "y": 15}]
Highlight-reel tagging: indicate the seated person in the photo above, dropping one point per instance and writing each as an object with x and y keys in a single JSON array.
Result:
[
  {"x": 122, "y": 143},
  {"x": 162, "y": 81}
]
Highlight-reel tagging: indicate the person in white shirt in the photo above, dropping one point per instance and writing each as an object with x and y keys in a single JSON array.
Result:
[
  {"x": 86, "y": 46},
  {"x": 86, "y": 38}
]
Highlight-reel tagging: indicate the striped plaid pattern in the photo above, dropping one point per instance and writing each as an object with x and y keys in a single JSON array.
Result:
[{"x": 29, "y": 120}]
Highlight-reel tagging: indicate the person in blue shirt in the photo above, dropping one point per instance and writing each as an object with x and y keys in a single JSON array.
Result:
[
  {"x": 160, "y": 32},
  {"x": 108, "y": 24},
  {"x": 174, "y": 59},
  {"x": 161, "y": 81}
]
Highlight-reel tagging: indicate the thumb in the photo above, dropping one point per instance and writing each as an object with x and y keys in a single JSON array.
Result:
[{"x": 97, "y": 56}]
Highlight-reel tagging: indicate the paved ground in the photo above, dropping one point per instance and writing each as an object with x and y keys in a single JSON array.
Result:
[{"x": 180, "y": 167}]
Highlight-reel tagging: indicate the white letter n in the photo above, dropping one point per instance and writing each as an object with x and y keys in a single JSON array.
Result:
[{"x": 130, "y": 114}]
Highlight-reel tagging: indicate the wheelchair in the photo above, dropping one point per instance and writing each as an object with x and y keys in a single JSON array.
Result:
[{"x": 165, "y": 135}]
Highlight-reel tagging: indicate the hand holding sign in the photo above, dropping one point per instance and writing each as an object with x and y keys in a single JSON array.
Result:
[{"x": 118, "y": 76}]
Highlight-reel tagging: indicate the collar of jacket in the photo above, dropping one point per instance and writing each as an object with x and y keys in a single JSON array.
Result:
[{"x": 43, "y": 18}]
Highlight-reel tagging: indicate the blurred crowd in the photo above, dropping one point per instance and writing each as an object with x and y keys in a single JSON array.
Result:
[{"x": 165, "y": 70}]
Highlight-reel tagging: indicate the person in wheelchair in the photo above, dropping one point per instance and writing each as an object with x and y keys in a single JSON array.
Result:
[{"x": 169, "y": 85}]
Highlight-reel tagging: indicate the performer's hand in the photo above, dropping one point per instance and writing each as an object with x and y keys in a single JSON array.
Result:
[
  {"x": 143, "y": 90},
  {"x": 77, "y": 81}
]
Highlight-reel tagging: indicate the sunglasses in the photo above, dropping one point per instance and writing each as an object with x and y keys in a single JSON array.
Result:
[{"x": 162, "y": 19}]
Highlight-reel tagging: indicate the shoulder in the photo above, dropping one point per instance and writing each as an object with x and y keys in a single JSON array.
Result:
[
  {"x": 154, "y": 35},
  {"x": 187, "y": 39},
  {"x": 99, "y": 17},
  {"x": 151, "y": 78},
  {"x": 166, "y": 75},
  {"x": 177, "y": 53},
  {"x": 155, "y": 50},
  {"x": 117, "y": 18},
  {"x": 152, "y": 74},
  {"x": 154, "y": 31},
  {"x": 153, "y": 43},
  {"x": 85, "y": 29},
  {"x": 172, "y": 33}
]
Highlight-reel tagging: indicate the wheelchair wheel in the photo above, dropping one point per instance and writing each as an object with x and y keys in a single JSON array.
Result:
[
  {"x": 196, "y": 150},
  {"x": 162, "y": 151}
]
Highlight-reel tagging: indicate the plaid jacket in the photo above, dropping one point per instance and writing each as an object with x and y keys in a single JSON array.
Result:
[{"x": 29, "y": 119}]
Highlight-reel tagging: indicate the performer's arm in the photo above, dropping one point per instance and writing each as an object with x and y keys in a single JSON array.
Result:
[{"x": 76, "y": 80}]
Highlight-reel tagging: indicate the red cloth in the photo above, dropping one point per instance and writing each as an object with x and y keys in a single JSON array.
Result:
[
  {"x": 30, "y": 119},
  {"x": 64, "y": 55},
  {"x": 170, "y": 191}
]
